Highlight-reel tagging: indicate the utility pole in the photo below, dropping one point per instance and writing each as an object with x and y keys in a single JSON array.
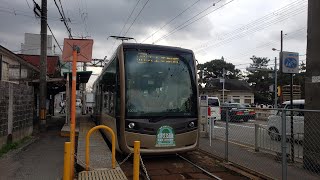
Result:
[
  {"x": 84, "y": 93},
  {"x": 280, "y": 64},
  {"x": 223, "y": 81},
  {"x": 311, "y": 141},
  {"x": 275, "y": 84},
  {"x": 43, "y": 67}
]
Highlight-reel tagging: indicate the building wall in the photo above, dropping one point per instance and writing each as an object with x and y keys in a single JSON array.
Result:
[
  {"x": 244, "y": 97},
  {"x": 16, "y": 111},
  {"x": 32, "y": 44}
]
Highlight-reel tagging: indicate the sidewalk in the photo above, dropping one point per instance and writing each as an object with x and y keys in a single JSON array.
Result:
[
  {"x": 257, "y": 161},
  {"x": 41, "y": 160}
]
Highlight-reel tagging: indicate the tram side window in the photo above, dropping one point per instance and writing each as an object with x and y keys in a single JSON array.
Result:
[{"x": 109, "y": 88}]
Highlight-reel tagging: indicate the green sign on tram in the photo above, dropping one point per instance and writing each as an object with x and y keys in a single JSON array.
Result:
[{"x": 165, "y": 137}]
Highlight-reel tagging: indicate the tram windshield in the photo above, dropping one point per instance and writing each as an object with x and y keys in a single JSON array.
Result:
[{"x": 160, "y": 84}]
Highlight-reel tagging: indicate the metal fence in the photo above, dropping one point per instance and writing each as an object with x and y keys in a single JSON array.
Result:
[{"x": 259, "y": 144}]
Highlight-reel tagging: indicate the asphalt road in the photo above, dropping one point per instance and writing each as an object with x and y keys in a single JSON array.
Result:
[{"x": 243, "y": 133}]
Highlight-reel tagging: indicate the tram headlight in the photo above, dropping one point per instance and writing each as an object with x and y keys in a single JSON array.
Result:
[
  {"x": 191, "y": 124},
  {"x": 131, "y": 125}
]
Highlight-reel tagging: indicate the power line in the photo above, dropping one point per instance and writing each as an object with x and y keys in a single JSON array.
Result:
[
  {"x": 256, "y": 22},
  {"x": 136, "y": 17},
  {"x": 268, "y": 44},
  {"x": 172, "y": 20},
  {"x": 184, "y": 25},
  {"x": 288, "y": 12},
  {"x": 258, "y": 28},
  {"x": 129, "y": 17},
  {"x": 54, "y": 37},
  {"x": 114, "y": 42},
  {"x": 63, "y": 19},
  {"x": 17, "y": 13}
]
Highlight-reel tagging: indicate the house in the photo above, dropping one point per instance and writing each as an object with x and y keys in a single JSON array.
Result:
[
  {"x": 234, "y": 90},
  {"x": 17, "y": 97},
  {"x": 53, "y": 63}
]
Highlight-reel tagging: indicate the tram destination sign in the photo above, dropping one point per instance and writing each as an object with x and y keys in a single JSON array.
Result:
[
  {"x": 290, "y": 62},
  {"x": 155, "y": 58}
]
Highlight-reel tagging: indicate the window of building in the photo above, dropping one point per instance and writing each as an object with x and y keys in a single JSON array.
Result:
[
  {"x": 4, "y": 71},
  {"x": 236, "y": 100},
  {"x": 247, "y": 101}
]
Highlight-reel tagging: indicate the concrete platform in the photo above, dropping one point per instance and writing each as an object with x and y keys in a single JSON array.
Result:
[
  {"x": 100, "y": 166},
  {"x": 65, "y": 130}
]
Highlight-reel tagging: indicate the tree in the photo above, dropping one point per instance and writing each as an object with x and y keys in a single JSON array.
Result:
[
  {"x": 259, "y": 79},
  {"x": 214, "y": 69}
]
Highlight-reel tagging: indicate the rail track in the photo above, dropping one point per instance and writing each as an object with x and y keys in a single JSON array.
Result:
[{"x": 191, "y": 165}]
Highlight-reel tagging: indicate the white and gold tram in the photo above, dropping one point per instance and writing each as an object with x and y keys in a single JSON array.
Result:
[{"x": 149, "y": 93}]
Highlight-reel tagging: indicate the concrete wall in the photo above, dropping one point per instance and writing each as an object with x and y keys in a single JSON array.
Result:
[{"x": 16, "y": 111}]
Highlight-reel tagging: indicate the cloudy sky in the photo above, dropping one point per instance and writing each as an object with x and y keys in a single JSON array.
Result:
[{"x": 234, "y": 29}]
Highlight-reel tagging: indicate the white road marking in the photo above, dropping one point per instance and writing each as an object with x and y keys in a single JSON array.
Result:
[{"x": 219, "y": 127}]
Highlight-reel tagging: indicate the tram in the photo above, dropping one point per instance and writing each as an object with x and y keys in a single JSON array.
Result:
[{"x": 149, "y": 93}]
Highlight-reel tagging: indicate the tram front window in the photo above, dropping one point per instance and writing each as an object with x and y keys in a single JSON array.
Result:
[{"x": 159, "y": 84}]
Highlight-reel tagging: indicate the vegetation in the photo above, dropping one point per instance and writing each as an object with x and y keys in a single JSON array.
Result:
[
  {"x": 14, "y": 145},
  {"x": 214, "y": 69},
  {"x": 260, "y": 77}
]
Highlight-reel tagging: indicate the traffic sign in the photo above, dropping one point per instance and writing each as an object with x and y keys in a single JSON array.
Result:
[{"x": 290, "y": 62}]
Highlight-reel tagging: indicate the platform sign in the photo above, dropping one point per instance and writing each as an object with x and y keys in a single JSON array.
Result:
[
  {"x": 165, "y": 137},
  {"x": 84, "y": 47},
  {"x": 290, "y": 62}
]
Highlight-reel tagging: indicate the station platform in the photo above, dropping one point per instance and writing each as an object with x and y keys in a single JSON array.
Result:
[{"x": 100, "y": 166}]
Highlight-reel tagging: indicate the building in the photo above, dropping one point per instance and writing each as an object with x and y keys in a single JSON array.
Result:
[
  {"x": 234, "y": 91},
  {"x": 17, "y": 97},
  {"x": 32, "y": 44}
]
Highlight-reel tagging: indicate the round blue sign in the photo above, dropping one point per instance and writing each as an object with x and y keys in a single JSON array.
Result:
[{"x": 290, "y": 62}]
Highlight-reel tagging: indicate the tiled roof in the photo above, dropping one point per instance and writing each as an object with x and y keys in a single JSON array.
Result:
[{"x": 52, "y": 63}]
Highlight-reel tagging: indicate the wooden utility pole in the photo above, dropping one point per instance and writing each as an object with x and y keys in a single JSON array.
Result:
[
  {"x": 43, "y": 67},
  {"x": 311, "y": 142}
]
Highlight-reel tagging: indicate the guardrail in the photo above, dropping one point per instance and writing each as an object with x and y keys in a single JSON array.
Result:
[{"x": 113, "y": 137}]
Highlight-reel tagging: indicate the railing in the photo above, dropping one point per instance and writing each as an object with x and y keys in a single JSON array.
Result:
[{"x": 113, "y": 141}]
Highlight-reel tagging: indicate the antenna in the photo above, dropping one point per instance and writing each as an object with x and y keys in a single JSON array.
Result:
[{"x": 122, "y": 38}]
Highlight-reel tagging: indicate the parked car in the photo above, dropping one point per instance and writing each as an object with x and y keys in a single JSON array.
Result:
[
  {"x": 275, "y": 122},
  {"x": 214, "y": 104},
  {"x": 236, "y": 112}
]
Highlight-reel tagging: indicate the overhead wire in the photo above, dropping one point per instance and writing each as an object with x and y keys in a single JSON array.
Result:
[
  {"x": 292, "y": 34},
  {"x": 262, "y": 19},
  {"x": 114, "y": 42},
  {"x": 243, "y": 34},
  {"x": 263, "y": 23},
  {"x": 184, "y": 25},
  {"x": 136, "y": 17},
  {"x": 167, "y": 23},
  {"x": 63, "y": 19}
]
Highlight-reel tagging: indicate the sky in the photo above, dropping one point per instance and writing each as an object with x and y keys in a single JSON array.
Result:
[{"x": 234, "y": 29}]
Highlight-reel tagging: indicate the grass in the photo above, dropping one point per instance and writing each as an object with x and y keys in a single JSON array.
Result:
[{"x": 12, "y": 146}]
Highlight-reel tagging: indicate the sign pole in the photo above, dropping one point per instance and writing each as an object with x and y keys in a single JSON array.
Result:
[
  {"x": 291, "y": 119},
  {"x": 73, "y": 106}
]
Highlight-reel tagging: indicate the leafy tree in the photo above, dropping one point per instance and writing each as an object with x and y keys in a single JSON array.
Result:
[
  {"x": 259, "y": 79},
  {"x": 214, "y": 69}
]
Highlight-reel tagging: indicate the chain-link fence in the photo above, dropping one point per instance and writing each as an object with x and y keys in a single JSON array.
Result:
[{"x": 244, "y": 138}]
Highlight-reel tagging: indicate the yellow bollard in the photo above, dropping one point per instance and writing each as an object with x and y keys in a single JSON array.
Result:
[
  {"x": 67, "y": 158},
  {"x": 136, "y": 160}
]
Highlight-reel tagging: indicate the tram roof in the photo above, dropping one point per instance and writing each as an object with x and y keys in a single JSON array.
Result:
[{"x": 153, "y": 46}]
